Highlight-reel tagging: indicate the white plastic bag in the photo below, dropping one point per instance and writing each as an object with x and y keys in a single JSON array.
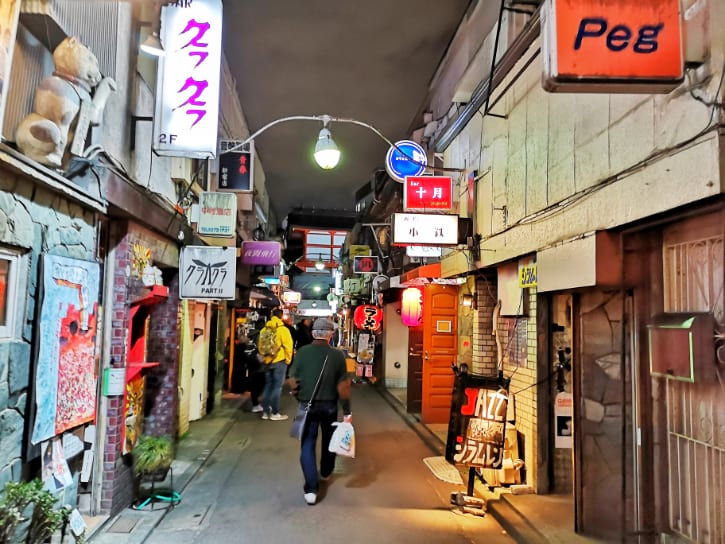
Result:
[{"x": 343, "y": 439}]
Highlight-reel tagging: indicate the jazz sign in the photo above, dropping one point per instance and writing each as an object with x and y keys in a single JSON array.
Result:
[
  {"x": 207, "y": 272},
  {"x": 187, "y": 106},
  {"x": 478, "y": 420}
]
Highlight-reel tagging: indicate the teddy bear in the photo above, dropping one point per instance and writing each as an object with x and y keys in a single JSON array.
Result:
[{"x": 44, "y": 134}]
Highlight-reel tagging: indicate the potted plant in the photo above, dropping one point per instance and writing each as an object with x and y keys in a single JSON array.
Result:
[{"x": 152, "y": 457}]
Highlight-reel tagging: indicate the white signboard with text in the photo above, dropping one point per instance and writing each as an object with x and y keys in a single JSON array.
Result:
[
  {"x": 207, "y": 272},
  {"x": 431, "y": 252},
  {"x": 187, "y": 95},
  {"x": 425, "y": 229},
  {"x": 217, "y": 214}
]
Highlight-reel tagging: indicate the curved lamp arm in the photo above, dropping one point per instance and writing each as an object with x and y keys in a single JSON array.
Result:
[{"x": 325, "y": 119}]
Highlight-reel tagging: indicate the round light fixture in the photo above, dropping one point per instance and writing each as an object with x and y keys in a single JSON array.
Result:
[
  {"x": 327, "y": 155},
  {"x": 152, "y": 45}
]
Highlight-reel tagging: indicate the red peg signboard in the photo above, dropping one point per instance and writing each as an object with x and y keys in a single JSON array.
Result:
[{"x": 368, "y": 317}]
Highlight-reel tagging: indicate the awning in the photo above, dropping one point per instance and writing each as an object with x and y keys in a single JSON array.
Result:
[
  {"x": 422, "y": 275},
  {"x": 265, "y": 296}
]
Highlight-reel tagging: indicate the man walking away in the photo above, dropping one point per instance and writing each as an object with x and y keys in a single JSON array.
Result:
[
  {"x": 334, "y": 387},
  {"x": 275, "y": 344}
]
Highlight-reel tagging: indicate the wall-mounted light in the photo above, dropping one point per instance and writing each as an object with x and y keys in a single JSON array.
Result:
[
  {"x": 469, "y": 301},
  {"x": 152, "y": 45},
  {"x": 320, "y": 264}
]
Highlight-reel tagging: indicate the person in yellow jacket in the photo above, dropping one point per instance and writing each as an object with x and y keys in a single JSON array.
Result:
[{"x": 276, "y": 369}]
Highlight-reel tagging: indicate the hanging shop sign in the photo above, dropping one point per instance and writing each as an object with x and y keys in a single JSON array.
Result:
[
  {"x": 398, "y": 161},
  {"x": 187, "y": 106},
  {"x": 428, "y": 193},
  {"x": 236, "y": 170},
  {"x": 428, "y": 252},
  {"x": 268, "y": 253},
  {"x": 291, "y": 297},
  {"x": 612, "y": 45},
  {"x": 425, "y": 229},
  {"x": 563, "y": 404},
  {"x": 217, "y": 214},
  {"x": 207, "y": 272},
  {"x": 478, "y": 420},
  {"x": 368, "y": 317},
  {"x": 411, "y": 307},
  {"x": 365, "y": 265},
  {"x": 359, "y": 251},
  {"x": 9, "y": 12}
]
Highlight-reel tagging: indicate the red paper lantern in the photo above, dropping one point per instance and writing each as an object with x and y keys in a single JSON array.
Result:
[
  {"x": 411, "y": 311},
  {"x": 368, "y": 317}
]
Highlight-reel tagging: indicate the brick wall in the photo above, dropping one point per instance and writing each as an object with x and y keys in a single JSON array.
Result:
[
  {"x": 484, "y": 343},
  {"x": 518, "y": 339},
  {"x": 161, "y": 381},
  {"x": 118, "y": 488}
]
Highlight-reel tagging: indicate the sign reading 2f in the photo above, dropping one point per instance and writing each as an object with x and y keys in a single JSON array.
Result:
[
  {"x": 187, "y": 105},
  {"x": 207, "y": 272}
]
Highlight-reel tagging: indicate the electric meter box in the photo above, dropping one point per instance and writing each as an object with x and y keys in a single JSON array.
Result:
[{"x": 682, "y": 347}]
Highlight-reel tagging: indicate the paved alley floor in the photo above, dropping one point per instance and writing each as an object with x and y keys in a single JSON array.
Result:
[{"x": 249, "y": 489}]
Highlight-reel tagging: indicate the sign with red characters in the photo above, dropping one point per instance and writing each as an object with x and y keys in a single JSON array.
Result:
[{"x": 428, "y": 193}]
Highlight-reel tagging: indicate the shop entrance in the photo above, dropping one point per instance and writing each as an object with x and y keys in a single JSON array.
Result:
[{"x": 440, "y": 345}]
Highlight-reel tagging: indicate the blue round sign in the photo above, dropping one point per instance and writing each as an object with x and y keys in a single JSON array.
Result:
[{"x": 398, "y": 165}]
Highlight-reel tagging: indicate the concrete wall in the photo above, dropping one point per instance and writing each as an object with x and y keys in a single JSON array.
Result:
[
  {"x": 563, "y": 164},
  {"x": 395, "y": 342}
]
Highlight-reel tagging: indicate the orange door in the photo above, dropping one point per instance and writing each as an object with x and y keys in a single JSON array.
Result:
[{"x": 440, "y": 342}]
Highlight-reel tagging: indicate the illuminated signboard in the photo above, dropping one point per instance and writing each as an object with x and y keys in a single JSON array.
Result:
[
  {"x": 261, "y": 252},
  {"x": 425, "y": 229},
  {"x": 187, "y": 105},
  {"x": 405, "y": 158},
  {"x": 291, "y": 297},
  {"x": 428, "y": 193},
  {"x": 612, "y": 45},
  {"x": 236, "y": 171},
  {"x": 365, "y": 265}
]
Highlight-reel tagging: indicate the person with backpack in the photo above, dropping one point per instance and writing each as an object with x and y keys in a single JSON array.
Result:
[{"x": 276, "y": 345}]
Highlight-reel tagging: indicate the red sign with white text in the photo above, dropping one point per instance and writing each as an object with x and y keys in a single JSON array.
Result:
[
  {"x": 618, "y": 43},
  {"x": 427, "y": 193}
]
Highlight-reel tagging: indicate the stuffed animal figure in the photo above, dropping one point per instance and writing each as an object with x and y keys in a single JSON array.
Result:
[{"x": 44, "y": 134}]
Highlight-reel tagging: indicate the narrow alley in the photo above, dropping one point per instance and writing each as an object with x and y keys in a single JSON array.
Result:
[{"x": 249, "y": 489}]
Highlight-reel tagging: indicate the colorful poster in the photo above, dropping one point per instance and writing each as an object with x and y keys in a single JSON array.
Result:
[
  {"x": 65, "y": 384},
  {"x": 55, "y": 471},
  {"x": 133, "y": 414}
]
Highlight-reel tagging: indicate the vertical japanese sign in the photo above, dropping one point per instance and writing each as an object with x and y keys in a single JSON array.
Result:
[
  {"x": 9, "y": 10},
  {"x": 65, "y": 384},
  {"x": 217, "y": 214},
  {"x": 477, "y": 424},
  {"x": 187, "y": 95},
  {"x": 236, "y": 170},
  {"x": 207, "y": 272}
]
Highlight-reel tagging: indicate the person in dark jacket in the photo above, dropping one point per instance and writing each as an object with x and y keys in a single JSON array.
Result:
[
  {"x": 334, "y": 389},
  {"x": 304, "y": 333}
]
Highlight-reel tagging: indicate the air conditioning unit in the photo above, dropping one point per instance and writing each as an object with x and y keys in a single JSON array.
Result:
[{"x": 182, "y": 170}]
